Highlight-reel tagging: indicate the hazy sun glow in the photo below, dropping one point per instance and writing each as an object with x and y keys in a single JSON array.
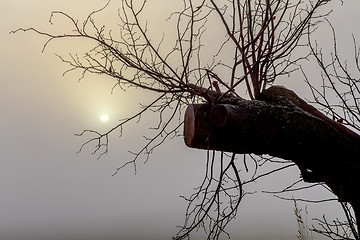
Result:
[{"x": 104, "y": 118}]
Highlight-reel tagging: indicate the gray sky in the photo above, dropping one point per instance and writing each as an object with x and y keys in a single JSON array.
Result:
[{"x": 48, "y": 191}]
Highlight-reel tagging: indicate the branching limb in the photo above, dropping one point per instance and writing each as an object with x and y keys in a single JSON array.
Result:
[{"x": 261, "y": 35}]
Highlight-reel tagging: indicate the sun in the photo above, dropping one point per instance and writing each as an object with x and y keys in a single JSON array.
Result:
[{"x": 104, "y": 118}]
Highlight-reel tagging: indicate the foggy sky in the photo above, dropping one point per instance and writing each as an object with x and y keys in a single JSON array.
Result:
[{"x": 49, "y": 191}]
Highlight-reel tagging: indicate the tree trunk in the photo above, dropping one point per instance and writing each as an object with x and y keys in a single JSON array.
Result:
[{"x": 281, "y": 125}]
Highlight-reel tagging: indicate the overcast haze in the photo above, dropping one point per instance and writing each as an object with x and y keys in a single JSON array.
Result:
[{"x": 48, "y": 191}]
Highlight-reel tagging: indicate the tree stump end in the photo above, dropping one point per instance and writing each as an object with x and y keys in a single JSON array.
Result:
[{"x": 189, "y": 125}]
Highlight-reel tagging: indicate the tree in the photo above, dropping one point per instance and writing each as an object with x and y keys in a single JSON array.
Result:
[{"x": 211, "y": 79}]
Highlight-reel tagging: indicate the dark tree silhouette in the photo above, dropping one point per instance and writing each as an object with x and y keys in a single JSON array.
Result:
[{"x": 232, "y": 105}]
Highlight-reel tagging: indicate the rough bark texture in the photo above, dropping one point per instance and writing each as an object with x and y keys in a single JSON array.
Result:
[{"x": 281, "y": 124}]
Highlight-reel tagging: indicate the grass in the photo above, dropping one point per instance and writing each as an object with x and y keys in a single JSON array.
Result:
[{"x": 304, "y": 233}]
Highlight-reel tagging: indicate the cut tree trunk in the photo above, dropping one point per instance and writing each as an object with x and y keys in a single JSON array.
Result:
[{"x": 281, "y": 125}]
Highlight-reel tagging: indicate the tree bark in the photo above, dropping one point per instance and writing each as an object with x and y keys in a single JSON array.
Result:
[{"x": 281, "y": 125}]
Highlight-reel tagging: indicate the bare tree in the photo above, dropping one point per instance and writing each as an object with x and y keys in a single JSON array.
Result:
[{"x": 257, "y": 48}]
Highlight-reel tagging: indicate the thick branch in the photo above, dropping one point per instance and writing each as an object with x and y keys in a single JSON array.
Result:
[{"x": 323, "y": 153}]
